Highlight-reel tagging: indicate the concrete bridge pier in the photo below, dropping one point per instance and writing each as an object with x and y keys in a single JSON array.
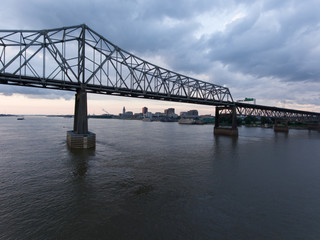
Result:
[
  {"x": 80, "y": 137},
  {"x": 314, "y": 126},
  {"x": 281, "y": 125},
  {"x": 232, "y": 130}
]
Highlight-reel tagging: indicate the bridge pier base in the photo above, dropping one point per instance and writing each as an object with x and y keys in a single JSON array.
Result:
[
  {"x": 226, "y": 131},
  {"x": 80, "y": 137},
  {"x": 281, "y": 128},
  {"x": 82, "y": 141},
  {"x": 315, "y": 127}
]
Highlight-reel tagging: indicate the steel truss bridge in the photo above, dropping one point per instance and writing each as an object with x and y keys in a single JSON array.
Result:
[
  {"x": 246, "y": 109},
  {"x": 79, "y": 59}
]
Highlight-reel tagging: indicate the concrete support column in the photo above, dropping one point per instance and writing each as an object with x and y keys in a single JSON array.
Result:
[
  {"x": 216, "y": 119},
  {"x": 281, "y": 128},
  {"x": 80, "y": 125},
  {"x": 314, "y": 126},
  {"x": 80, "y": 137},
  {"x": 234, "y": 118},
  {"x": 228, "y": 130}
]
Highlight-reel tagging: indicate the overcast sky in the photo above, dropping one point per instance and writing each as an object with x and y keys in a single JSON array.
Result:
[{"x": 268, "y": 50}]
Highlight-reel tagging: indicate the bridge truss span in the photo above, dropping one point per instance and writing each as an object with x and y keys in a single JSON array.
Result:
[
  {"x": 245, "y": 109},
  {"x": 77, "y": 57}
]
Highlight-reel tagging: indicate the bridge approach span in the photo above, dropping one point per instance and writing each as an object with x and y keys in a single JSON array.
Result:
[{"x": 247, "y": 109}]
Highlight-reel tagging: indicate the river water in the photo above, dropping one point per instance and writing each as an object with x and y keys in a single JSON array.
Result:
[{"x": 154, "y": 180}]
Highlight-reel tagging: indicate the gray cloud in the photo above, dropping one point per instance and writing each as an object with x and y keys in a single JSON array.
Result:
[
  {"x": 281, "y": 43},
  {"x": 35, "y": 92}
]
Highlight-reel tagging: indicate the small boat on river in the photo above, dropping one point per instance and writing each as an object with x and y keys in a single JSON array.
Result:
[{"x": 186, "y": 121}]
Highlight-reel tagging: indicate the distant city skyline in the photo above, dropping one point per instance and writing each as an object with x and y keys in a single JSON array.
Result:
[
  {"x": 22, "y": 105},
  {"x": 168, "y": 111}
]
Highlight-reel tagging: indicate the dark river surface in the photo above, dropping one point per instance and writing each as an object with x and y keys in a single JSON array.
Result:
[{"x": 153, "y": 180}]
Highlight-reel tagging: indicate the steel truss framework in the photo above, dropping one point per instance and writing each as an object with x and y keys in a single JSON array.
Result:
[
  {"x": 243, "y": 109},
  {"x": 275, "y": 112},
  {"x": 73, "y": 58},
  {"x": 76, "y": 57}
]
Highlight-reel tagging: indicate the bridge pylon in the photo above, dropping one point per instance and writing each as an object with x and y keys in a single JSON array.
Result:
[
  {"x": 281, "y": 125},
  {"x": 80, "y": 137},
  {"x": 229, "y": 111}
]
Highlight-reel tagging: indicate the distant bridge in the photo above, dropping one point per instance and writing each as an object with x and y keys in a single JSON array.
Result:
[{"x": 79, "y": 59}]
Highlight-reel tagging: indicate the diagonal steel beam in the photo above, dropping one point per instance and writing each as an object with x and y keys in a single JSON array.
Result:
[
  {"x": 27, "y": 61},
  {"x": 64, "y": 61},
  {"x": 20, "y": 53}
]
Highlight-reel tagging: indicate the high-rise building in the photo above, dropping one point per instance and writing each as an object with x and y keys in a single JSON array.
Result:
[
  {"x": 169, "y": 111},
  {"x": 124, "y": 110},
  {"x": 144, "y": 110},
  {"x": 193, "y": 113},
  {"x": 183, "y": 114}
]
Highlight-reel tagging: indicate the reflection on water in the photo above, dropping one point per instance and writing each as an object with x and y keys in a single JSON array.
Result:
[
  {"x": 79, "y": 158},
  {"x": 157, "y": 181},
  {"x": 225, "y": 142},
  {"x": 280, "y": 136}
]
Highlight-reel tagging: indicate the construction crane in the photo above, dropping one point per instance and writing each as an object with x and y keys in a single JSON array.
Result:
[{"x": 106, "y": 112}]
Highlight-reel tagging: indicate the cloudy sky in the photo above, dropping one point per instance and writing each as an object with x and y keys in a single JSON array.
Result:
[{"x": 268, "y": 50}]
